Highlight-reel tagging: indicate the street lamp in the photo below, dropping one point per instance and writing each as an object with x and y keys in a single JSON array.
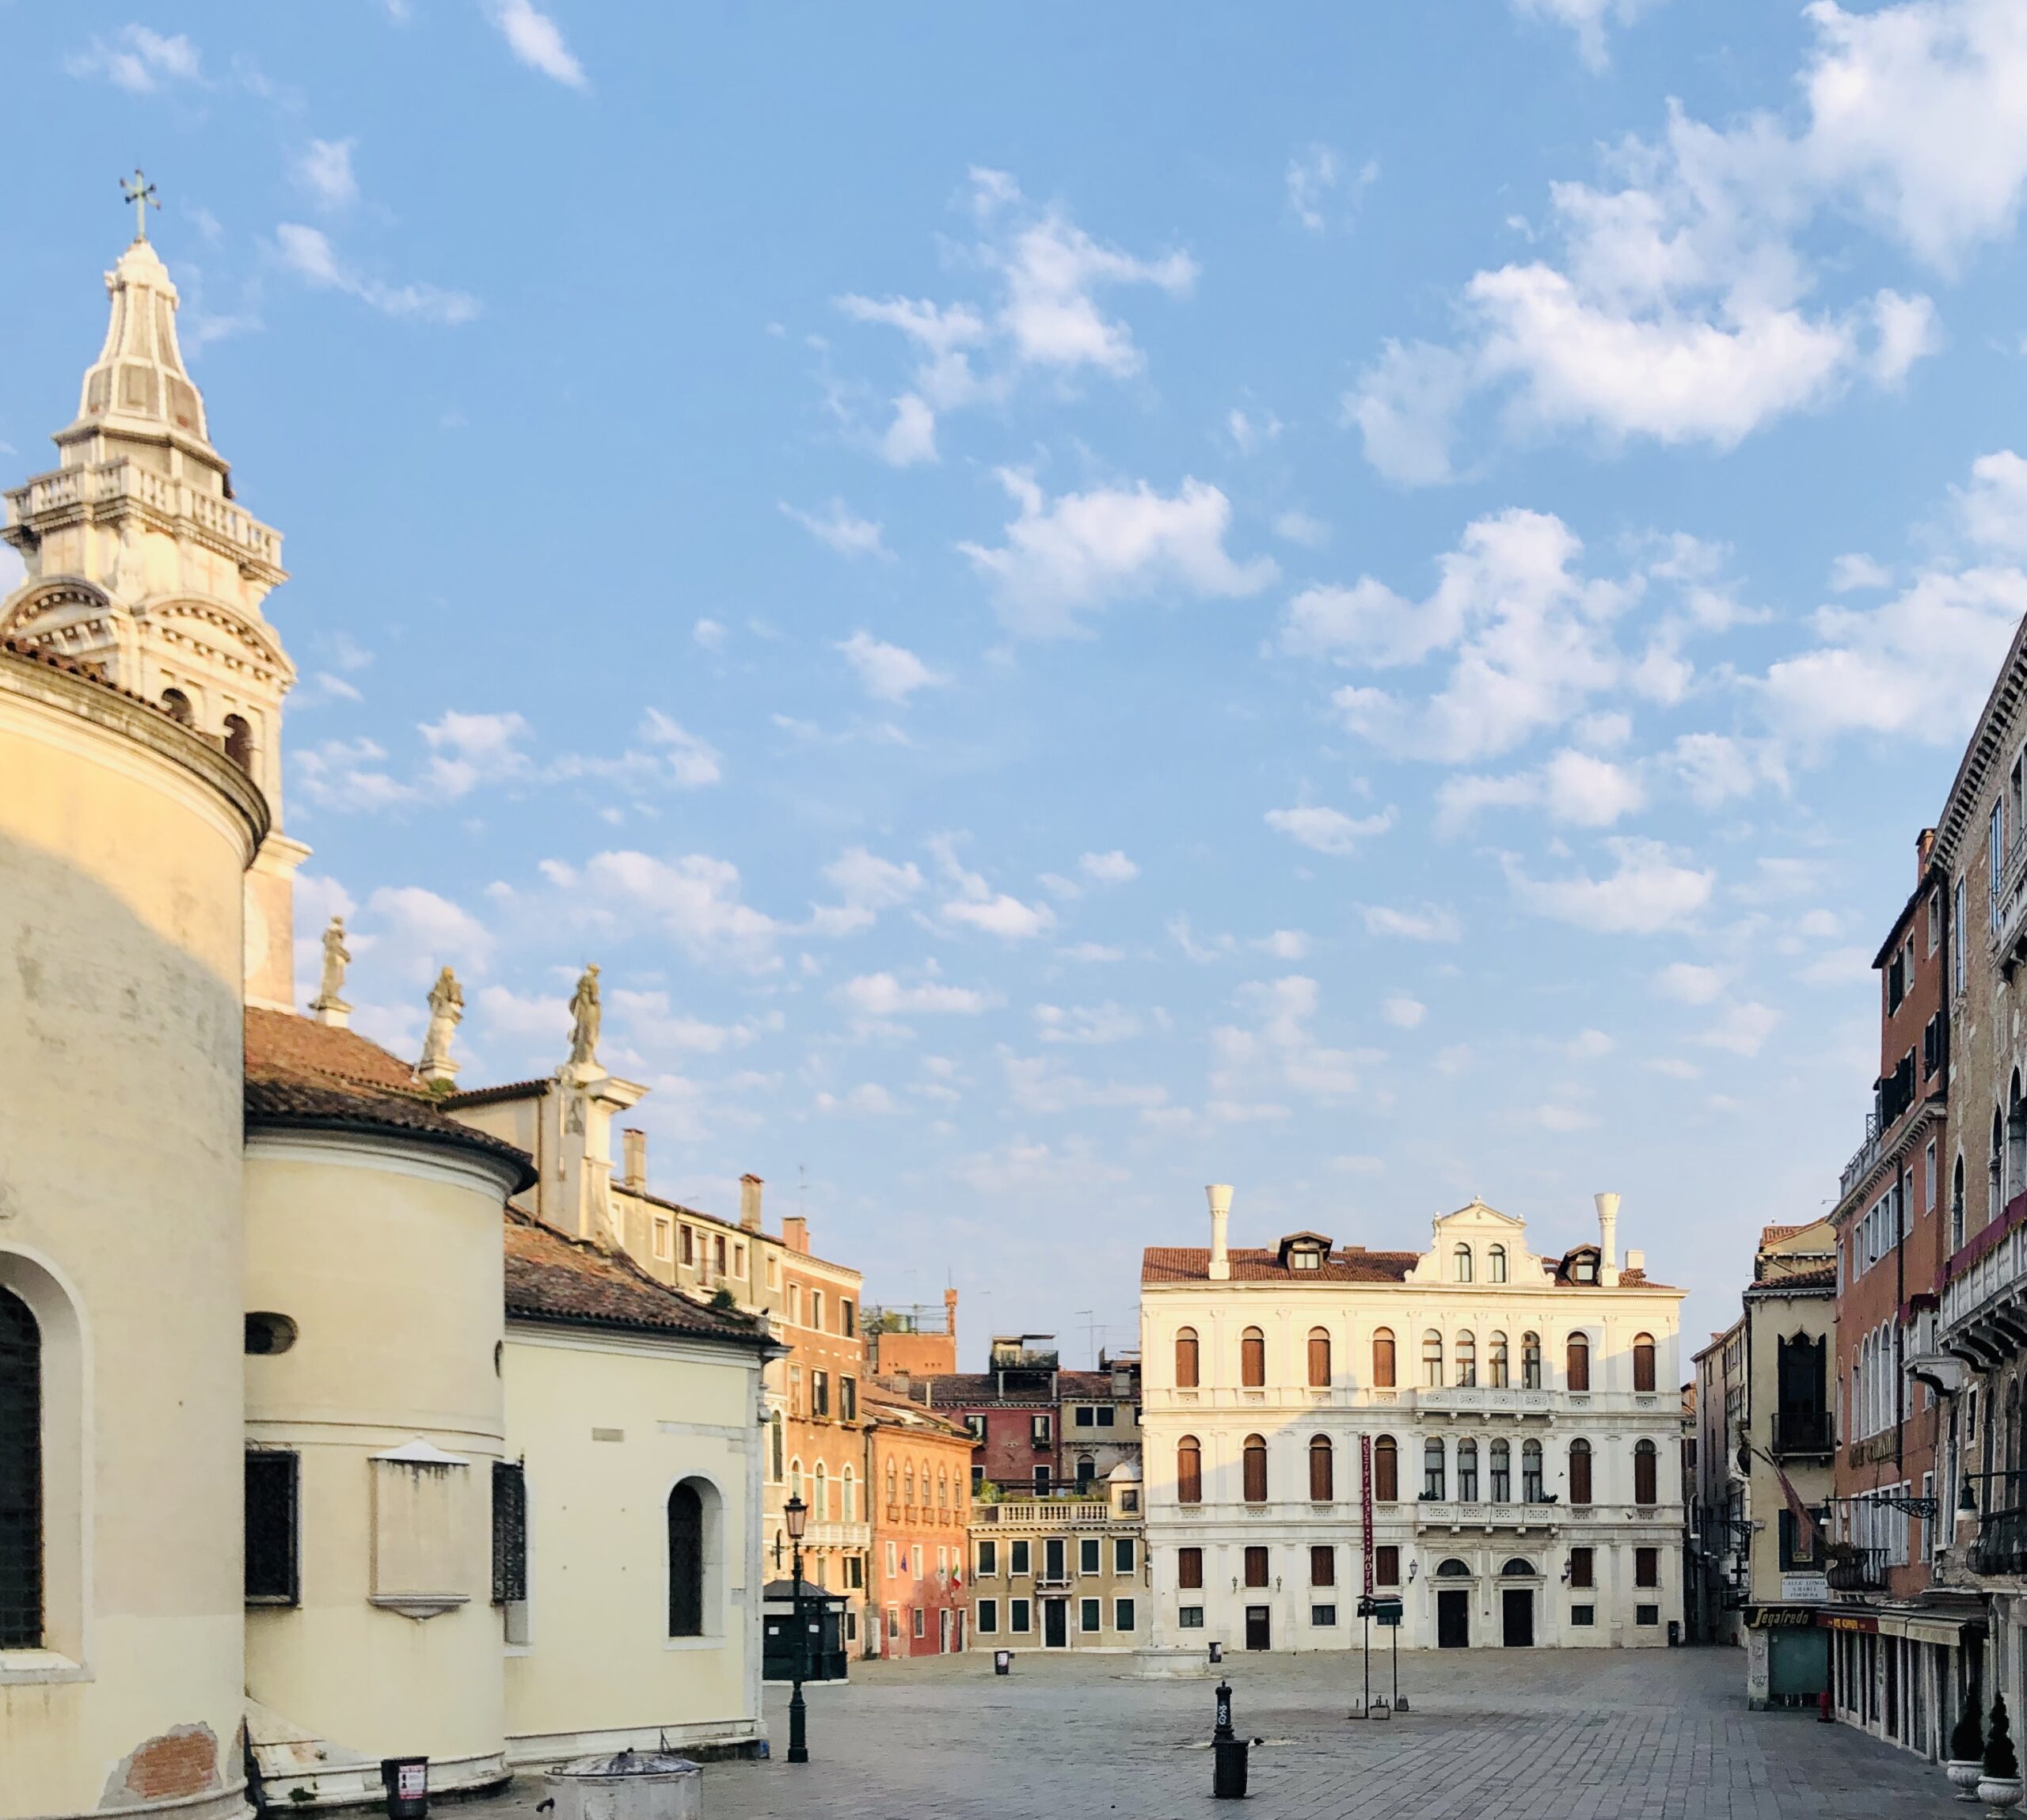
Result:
[{"x": 797, "y": 1513}]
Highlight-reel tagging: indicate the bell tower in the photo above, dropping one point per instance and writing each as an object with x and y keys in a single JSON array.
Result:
[{"x": 142, "y": 565}]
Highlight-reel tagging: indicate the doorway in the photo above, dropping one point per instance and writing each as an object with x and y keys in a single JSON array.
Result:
[
  {"x": 1453, "y": 1619},
  {"x": 1517, "y": 1617},
  {"x": 943, "y": 1631},
  {"x": 1259, "y": 1627},
  {"x": 1055, "y": 1624}
]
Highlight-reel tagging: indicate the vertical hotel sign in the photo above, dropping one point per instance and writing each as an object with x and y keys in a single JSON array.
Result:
[{"x": 1365, "y": 1507}]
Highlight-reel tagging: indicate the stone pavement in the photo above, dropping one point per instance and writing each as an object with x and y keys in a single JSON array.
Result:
[{"x": 1624, "y": 1735}]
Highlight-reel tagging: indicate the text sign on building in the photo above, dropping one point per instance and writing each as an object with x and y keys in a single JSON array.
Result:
[
  {"x": 1805, "y": 1589},
  {"x": 1365, "y": 1507}
]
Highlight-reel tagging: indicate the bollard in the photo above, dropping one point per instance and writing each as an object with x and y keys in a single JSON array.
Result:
[
  {"x": 1227, "y": 1753},
  {"x": 1002, "y": 1662},
  {"x": 406, "y": 1779},
  {"x": 1823, "y": 1715}
]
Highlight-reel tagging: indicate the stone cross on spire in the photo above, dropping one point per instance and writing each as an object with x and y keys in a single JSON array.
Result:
[{"x": 141, "y": 193}]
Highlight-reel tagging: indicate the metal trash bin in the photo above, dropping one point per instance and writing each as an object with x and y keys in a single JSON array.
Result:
[
  {"x": 634, "y": 1785},
  {"x": 1002, "y": 1662},
  {"x": 1228, "y": 1771},
  {"x": 406, "y": 1779},
  {"x": 1217, "y": 1652}
]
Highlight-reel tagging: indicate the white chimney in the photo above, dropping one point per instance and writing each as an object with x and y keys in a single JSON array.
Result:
[
  {"x": 1607, "y": 1240},
  {"x": 1637, "y": 1261},
  {"x": 1219, "y": 1193}
]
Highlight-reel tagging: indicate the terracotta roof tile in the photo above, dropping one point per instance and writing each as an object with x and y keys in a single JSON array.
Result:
[
  {"x": 552, "y": 1277},
  {"x": 88, "y": 672},
  {"x": 314, "y": 1076},
  {"x": 1192, "y": 1263}
]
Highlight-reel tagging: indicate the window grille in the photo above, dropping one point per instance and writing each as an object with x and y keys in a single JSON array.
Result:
[
  {"x": 270, "y": 1528},
  {"x": 21, "y": 1475},
  {"x": 510, "y": 1533}
]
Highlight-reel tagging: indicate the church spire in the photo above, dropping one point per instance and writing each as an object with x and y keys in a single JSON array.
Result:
[{"x": 138, "y": 387}]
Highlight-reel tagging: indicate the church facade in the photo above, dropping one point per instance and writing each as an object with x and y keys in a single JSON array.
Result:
[{"x": 315, "y": 1447}]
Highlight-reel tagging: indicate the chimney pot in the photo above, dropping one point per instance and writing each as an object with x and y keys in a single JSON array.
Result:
[
  {"x": 749, "y": 1186},
  {"x": 1219, "y": 1194},
  {"x": 1608, "y": 1239},
  {"x": 634, "y": 1148}
]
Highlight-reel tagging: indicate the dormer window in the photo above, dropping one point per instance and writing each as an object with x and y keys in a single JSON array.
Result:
[
  {"x": 1584, "y": 1270},
  {"x": 1304, "y": 1259},
  {"x": 1303, "y": 1251}
]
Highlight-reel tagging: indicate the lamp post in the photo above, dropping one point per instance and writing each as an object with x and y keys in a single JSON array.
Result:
[{"x": 797, "y": 1513}]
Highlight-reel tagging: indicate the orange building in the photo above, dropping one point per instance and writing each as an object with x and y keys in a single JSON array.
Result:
[
  {"x": 921, "y": 1479},
  {"x": 907, "y": 1342}
]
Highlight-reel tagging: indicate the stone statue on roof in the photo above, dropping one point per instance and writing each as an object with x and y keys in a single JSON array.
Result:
[
  {"x": 585, "y": 1016},
  {"x": 447, "y": 1009},
  {"x": 328, "y": 1006}
]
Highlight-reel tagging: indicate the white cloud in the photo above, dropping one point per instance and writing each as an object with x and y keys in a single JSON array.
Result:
[
  {"x": 1405, "y": 407},
  {"x": 1424, "y": 922},
  {"x": 710, "y": 634},
  {"x": 866, "y": 1101},
  {"x": 138, "y": 60},
  {"x": 1085, "y": 1024},
  {"x": 838, "y": 531},
  {"x": 1575, "y": 788},
  {"x": 469, "y": 749},
  {"x": 1714, "y": 768},
  {"x": 1279, "y": 1051},
  {"x": 1993, "y": 506},
  {"x": 1919, "y": 664},
  {"x": 536, "y": 40},
  {"x": 1001, "y": 915},
  {"x": 1588, "y": 1045},
  {"x": 1327, "y": 830},
  {"x": 1587, "y": 19},
  {"x": 883, "y": 995},
  {"x": 868, "y": 885},
  {"x": 886, "y": 672},
  {"x": 1045, "y": 316},
  {"x": 1320, "y": 183},
  {"x": 1402, "y": 1011},
  {"x": 308, "y": 252},
  {"x": 1248, "y": 434},
  {"x": 694, "y": 900},
  {"x": 422, "y": 931},
  {"x": 324, "y": 170},
  {"x": 1852, "y": 572},
  {"x": 1647, "y": 891},
  {"x": 1689, "y": 984},
  {"x": 1284, "y": 945},
  {"x": 1109, "y": 868},
  {"x": 1298, "y": 527},
  {"x": 1743, "y": 1029},
  {"x": 1081, "y": 550}
]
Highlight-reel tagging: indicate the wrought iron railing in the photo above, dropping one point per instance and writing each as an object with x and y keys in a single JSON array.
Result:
[
  {"x": 2001, "y": 1545},
  {"x": 1802, "y": 1432},
  {"x": 1858, "y": 1571}
]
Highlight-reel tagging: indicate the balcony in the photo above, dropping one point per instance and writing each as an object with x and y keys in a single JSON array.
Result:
[
  {"x": 1981, "y": 1302},
  {"x": 1863, "y": 1159},
  {"x": 2001, "y": 1546},
  {"x": 1802, "y": 1434},
  {"x": 1053, "y": 1513},
  {"x": 2009, "y": 910},
  {"x": 1478, "y": 1400},
  {"x": 1855, "y": 1570},
  {"x": 1452, "y": 1514}
]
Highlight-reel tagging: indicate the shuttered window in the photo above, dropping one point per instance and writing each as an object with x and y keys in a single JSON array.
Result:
[
  {"x": 510, "y": 1533},
  {"x": 20, "y": 1475},
  {"x": 272, "y": 1503}
]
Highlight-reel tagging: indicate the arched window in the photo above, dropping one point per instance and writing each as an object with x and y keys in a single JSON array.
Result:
[
  {"x": 1576, "y": 1360},
  {"x": 1432, "y": 1474},
  {"x": 1461, "y": 1263},
  {"x": 1432, "y": 1359},
  {"x": 1645, "y": 1473},
  {"x": 778, "y": 1458},
  {"x": 1502, "y": 1472},
  {"x": 1496, "y": 1261},
  {"x": 1643, "y": 1362},
  {"x": 795, "y": 1480},
  {"x": 1957, "y": 1206},
  {"x": 1517, "y": 1569},
  {"x": 1580, "y": 1471},
  {"x": 1467, "y": 1471},
  {"x": 1255, "y": 1457},
  {"x": 1531, "y": 1473},
  {"x": 1322, "y": 1471},
  {"x": 849, "y": 1495},
  {"x": 1386, "y": 1471},
  {"x": 239, "y": 742},
  {"x": 1186, "y": 1359},
  {"x": 177, "y": 706},
  {"x": 1467, "y": 1360},
  {"x": 20, "y": 1475},
  {"x": 1188, "y": 1471},
  {"x": 1319, "y": 1357},
  {"x": 1453, "y": 1569},
  {"x": 942, "y": 1488},
  {"x": 686, "y": 1560},
  {"x": 1530, "y": 1362},
  {"x": 820, "y": 1505},
  {"x": 1496, "y": 1364},
  {"x": 1252, "y": 1358},
  {"x": 893, "y": 1489},
  {"x": 1382, "y": 1358},
  {"x": 908, "y": 1480}
]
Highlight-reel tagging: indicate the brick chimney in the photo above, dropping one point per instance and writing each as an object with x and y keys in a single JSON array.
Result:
[
  {"x": 1924, "y": 846},
  {"x": 1219, "y": 1194},
  {"x": 950, "y": 1317},
  {"x": 749, "y": 1186},
  {"x": 634, "y": 1148},
  {"x": 795, "y": 1233}
]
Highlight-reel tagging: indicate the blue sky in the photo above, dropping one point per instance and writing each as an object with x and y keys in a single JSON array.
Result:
[{"x": 1365, "y": 603}]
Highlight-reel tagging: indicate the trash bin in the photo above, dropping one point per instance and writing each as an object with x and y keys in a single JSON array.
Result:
[
  {"x": 406, "y": 1779},
  {"x": 1217, "y": 1652},
  {"x": 1002, "y": 1662},
  {"x": 1675, "y": 1632},
  {"x": 1228, "y": 1772},
  {"x": 634, "y": 1785}
]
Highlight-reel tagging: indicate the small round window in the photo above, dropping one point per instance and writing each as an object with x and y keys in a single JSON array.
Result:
[{"x": 269, "y": 1333}]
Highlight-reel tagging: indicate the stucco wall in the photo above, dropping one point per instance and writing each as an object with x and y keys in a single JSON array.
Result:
[
  {"x": 607, "y": 1426},
  {"x": 123, "y": 842}
]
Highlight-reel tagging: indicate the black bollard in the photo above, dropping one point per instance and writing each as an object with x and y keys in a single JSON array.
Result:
[{"x": 1227, "y": 1752}]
